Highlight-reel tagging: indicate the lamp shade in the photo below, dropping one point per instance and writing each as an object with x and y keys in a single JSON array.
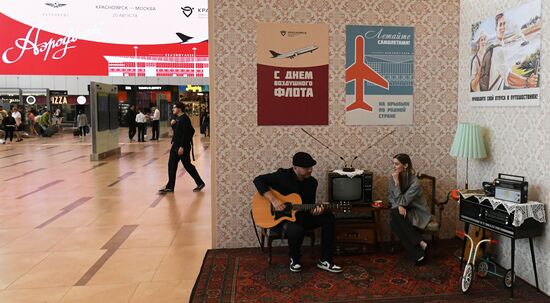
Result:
[{"x": 468, "y": 142}]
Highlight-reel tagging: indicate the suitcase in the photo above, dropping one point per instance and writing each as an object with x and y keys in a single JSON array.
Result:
[
  {"x": 49, "y": 131},
  {"x": 76, "y": 132}
]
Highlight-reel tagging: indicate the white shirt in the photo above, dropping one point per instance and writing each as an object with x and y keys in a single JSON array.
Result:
[
  {"x": 499, "y": 68},
  {"x": 140, "y": 118},
  {"x": 156, "y": 115},
  {"x": 17, "y": 117}
]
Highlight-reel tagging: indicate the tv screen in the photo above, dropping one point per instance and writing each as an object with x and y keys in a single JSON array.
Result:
[
  {"x": 102, "y": 112},
  {"x": 113, "y": 111},
  {"x": 347, "y": 189}
]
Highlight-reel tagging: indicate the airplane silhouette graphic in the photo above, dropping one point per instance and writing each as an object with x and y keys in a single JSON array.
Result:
[
  {"x": 294, "y": 53},
  {"x": 359, "y": 72}
]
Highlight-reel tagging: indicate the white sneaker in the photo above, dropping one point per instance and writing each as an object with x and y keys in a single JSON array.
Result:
[
  {"x": 295, "y": 266},
  {"x": 329, "y": 266}
]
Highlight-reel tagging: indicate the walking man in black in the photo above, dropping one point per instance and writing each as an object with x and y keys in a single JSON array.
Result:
[{"x": 182, "y": 143}]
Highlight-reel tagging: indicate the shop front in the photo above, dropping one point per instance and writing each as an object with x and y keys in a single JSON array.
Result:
[
  {"x": 196, "y": 99},
  {"x": 144, "y": 97}
]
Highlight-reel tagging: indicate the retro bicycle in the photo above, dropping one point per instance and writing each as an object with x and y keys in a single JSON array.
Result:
[{"x": 483, "y": 268}]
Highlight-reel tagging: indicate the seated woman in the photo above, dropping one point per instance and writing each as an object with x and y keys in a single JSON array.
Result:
[{"x": 409, "y": 208}]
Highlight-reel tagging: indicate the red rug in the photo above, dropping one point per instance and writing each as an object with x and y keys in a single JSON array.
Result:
[{"x": 243, "y": 275}]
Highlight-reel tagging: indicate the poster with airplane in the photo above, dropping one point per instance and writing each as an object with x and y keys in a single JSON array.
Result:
[
  {"x": 292, "y": 62},
  {"x": 104, "y": 38},
  {"x": 379, "y": 75}
]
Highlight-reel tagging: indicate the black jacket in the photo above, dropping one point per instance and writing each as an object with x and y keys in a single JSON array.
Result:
[
  {"x": 131, "y": 117},
  {"x": 9, "y": 120},
  {"x": 286, "y": 182},
  {"x": 183, "y": 132}
]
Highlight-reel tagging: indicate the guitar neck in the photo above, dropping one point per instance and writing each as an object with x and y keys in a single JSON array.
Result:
[{"x": 312, "y": 206}]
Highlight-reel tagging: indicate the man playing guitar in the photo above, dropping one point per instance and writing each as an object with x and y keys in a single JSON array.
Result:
[{"x": 298, "y": 179}]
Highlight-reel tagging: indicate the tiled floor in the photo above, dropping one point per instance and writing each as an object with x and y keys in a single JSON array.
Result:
[{"x": 69, "y": 232}]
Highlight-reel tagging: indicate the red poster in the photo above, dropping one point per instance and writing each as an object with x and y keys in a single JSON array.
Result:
[{"x": 292, "y": 74}]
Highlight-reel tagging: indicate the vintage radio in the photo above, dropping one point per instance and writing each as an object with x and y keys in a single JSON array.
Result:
[{"x": 511, "y": 188}]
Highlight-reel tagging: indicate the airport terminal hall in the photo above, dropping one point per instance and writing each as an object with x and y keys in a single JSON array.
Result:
[{"x": 313, "y": 151}]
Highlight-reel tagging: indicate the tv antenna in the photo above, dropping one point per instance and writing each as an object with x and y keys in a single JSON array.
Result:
[
  {"x": 350, "y": 168},
  {"x": 378, "y": 141},
  {"x": 323, "y": 144}
]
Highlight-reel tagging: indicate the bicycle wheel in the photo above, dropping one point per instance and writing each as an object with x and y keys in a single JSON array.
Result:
[
  {"x": 482, "y": 269},
  {"x": 509, "y": 278},
  {"x": 467, "y": 277}
]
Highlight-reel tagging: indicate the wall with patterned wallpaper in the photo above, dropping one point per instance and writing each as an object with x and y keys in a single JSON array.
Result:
[
  {"x": 518, "y": 138},
  {"x": 244, "y": 150}
]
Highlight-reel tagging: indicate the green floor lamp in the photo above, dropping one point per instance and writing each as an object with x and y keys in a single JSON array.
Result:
[{"x": 468, "y": 143}]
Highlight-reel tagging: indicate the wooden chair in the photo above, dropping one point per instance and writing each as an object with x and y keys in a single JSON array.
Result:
[
  {"x": 272, "y": 234},
  {"x": 428, "y": 184},
  {"x": 436, "y": 207}
]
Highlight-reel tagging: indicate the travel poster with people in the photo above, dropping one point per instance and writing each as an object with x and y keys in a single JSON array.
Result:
[
  {"x": 504, "y": 64},
  {"x": 292, "y": 62},
  {"x": 379, "y": 75}
]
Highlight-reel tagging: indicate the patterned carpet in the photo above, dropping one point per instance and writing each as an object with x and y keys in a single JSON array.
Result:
[{"x": 243, "y": 275}]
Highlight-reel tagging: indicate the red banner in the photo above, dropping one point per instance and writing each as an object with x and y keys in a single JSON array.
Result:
[{"x": 26, "y": 50}]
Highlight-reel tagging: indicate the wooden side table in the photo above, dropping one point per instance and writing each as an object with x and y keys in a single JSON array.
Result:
[{"x": 356, "y": 231}]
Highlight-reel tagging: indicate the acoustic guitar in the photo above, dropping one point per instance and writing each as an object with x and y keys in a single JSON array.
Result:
[{"x": 266, "y": 216}]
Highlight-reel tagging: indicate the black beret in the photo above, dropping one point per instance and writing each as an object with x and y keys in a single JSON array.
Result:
[{"x": 302, "y": 159}]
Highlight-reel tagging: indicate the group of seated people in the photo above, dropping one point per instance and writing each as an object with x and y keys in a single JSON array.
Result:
[{"x": 409, "y": 209}]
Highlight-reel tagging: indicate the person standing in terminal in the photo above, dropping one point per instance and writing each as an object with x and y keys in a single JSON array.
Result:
[
  {"x": 3, "y": 114},
  {"x": 57, "y": 117},
  {"x": 81, "y": 123},
  {"x": 8, "y": 124},
  {"x": 155, "y": 123},
  {"x": 182, "y": 143},
  {"x": 409, "y": 208},
  {"x": 131, "y": 119},
  {"x": 298, "y": 179},
  {"x": 141, "y": 120},
  {"x": 17, "y": 116}
]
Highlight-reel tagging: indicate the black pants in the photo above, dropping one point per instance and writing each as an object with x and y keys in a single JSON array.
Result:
[
  {"x": 304, "y": 221},
  {"x": 131, "y": 131},
  {"x": 8, "y": 133},
  {"x": 155, "y": 126},
  {"x": 83, "y": 131},
  {"x": 186, "y": 160},
  {"x": 141, "y": 132},
  {"x": 407, "y": 233}
]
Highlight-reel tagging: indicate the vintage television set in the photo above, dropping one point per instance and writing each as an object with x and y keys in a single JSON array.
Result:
[{"x": 355, "y": 190}]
